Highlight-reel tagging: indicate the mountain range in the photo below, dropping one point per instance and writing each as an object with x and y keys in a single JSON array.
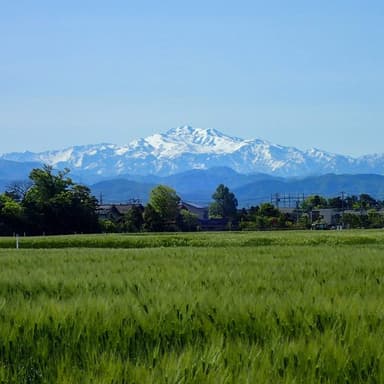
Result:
[
  {"x": 185, "y": 148},
  {"x": 194, "y": 161}
]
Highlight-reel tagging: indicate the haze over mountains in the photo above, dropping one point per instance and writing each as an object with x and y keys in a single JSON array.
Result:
[{"x": 183, "y": 157}]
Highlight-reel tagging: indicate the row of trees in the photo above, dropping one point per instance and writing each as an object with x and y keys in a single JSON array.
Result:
[
  {"x": 361, "y": 211},
  {"x": 353, "y": 202},
  {"x": 53, "y": 204},
  {"x": 265, "y": 216},
  {"x": 164, "y": 212}
]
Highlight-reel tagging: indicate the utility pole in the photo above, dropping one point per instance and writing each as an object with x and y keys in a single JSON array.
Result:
[
  {"x": 342, "y": 201},
  {"x": 342, "y": 209}
]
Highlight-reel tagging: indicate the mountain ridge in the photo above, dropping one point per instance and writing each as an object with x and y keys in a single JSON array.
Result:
[{"x": 184, "y": 148}]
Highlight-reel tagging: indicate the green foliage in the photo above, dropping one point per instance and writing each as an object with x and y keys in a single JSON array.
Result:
[
  {"x": 375, "y": 219},
  {"x": 366, "y": 219},
  {"x": 335, "y": 202},
  {"x": 11, "y": 215},
  {"x": 9, "y": 207},
  {"x": 351, "y": 220},
  {"x": 304, "y": 221},
  {"x": 107, "y": 226},
  {"x": 55, "y": 204},
  {"x": 189, "y": 221},
  {"x": 133, "y": 220},
  {"x": 314, "y": 202},
  {"x": 365, "y": 202},
  {"x": 224, "y": 205},
  {"x": 268, "y": 210},
  {"x": 266, "y": 312},
  {"x": 264, "y": 217},
  {"x": 152, "y": 219},
  {"x": 165, "y": 203}
]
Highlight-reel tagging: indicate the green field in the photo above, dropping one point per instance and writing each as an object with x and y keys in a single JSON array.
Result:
[{"x": 276, "y": 307}]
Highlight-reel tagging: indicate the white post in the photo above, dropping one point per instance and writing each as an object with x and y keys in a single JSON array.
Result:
[{"x": 17, "y": 241}]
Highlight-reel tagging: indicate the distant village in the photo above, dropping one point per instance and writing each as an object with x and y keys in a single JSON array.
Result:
[{"x": 313, "y": 212}]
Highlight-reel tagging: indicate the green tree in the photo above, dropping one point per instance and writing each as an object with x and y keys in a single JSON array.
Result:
[
  {"x": 54, "y": 204},
  {"x": 133, "y": 220},
  {"x": 107, "y": 226},
  {"x": 314, "y": 202},
  {"x": 268, "y": 210},
  {"x": 336, "y": 202},
  {"x": 375, "y": 219},
  {"x": 224, "y": 204},
  {"x": 351, "y": 220},
  {"x": 152, "y": 219},
  {"x": 350, "y": 202},
  {"x": 366, "y": 202},
  {"x": 165, "y": 202},
  {"x": 11, "y": 216},
  {"x": 189, "y": 221}
]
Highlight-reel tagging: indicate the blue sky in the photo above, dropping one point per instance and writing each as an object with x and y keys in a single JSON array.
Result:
[{"x": 300, "y": 73}]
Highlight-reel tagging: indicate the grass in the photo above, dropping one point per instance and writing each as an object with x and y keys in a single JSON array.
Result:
[
  {"x": 203, "y": 239},
  {"x": 301, "y": 307}
]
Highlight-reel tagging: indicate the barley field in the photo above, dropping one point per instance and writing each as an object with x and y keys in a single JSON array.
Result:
[{"x": 279, "y": 307}]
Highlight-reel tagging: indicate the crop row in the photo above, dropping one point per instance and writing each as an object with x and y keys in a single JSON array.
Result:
[{"x": 241, "y": 239}]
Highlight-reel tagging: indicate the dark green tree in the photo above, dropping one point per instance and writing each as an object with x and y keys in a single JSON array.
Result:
[
  {"x": 152, "y": 220},
  {"x": 314, "y": 202},
  {"x": 367, "y": 202},
  {"x": 268, "y": 210},
  {"x": 336, "y": 202},
  {"x": 351, "y": 220},
  {"x": 224, "y": 204},
  {"x": 133, "y": 220},
  {"x": 350, "y": 202},
  {"x": 11, "y": 216},
  {"x": 54, "y": 204}
]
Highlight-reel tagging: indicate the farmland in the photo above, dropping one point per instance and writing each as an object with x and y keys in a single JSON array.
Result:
[{"x": 276, "y": 307}]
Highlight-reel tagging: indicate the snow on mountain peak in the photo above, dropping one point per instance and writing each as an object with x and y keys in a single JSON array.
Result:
[
  {"x": 193, "y": 140},
  {"x": 184, "y": 148}
]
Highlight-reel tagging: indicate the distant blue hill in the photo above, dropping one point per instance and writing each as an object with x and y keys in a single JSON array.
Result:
[
  {"x": 198, "y": 186},
  {"x": 15, "y": 170}
]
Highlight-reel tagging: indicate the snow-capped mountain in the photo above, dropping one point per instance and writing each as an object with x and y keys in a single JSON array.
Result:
[{"x": 184, "y": 148}]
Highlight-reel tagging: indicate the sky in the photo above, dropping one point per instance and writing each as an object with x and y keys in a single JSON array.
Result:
[{"x": 296, "y": 73}]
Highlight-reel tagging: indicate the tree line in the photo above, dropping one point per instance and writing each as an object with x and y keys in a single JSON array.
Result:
[
  {"x": 165, "y": 212},
  {"x": 52, "y": 203}
]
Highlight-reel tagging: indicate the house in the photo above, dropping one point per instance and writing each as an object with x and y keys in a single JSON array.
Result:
[
  {"x": 206, "y": 223},
  {"x": 107, "y": 212},
  {"x": 322, "y": 218},
  {"x": 113, "y": 212},
  {"x": 292, "y": 214},
  {"x": 200, "y": 212},
  {"x": 325, "y": 217}
]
